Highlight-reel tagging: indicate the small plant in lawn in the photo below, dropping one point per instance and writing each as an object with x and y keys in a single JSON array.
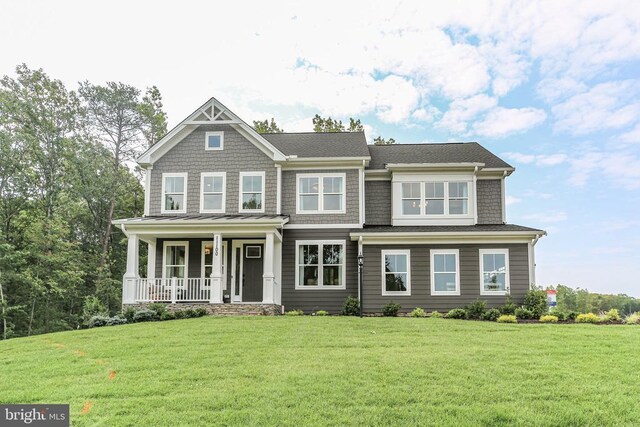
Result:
[
  {"x": 536, "y": 302},
  {"x": 524, "y": 313},
  {"x": 351, "y": 307},
  {"x": 294, "y": 313},
  {"x": 633, "y": 319},
  {"x": 158, "y": 307},
  {"x": 391, "y": 309},
  {"x": 612, "y": 315},
  {"x": 507, "y": 318},
  {"x": 92, "y": 307},
  {"x": 457, "y": 313},
  {"x": 168, "y": 315},
  {"x": 418, "y": 312},
  {"x": 321, "y": 313},
  {"x": 588, "y": 318},
  {"x": 491, "y": 315},
  {"x": 548, "y": 318},
  {"x": 436, "y": 314},
  {"x": 476, "y": 309},
  {"x": 144, "y": 315},
  {"x": 509, "y": 307}
]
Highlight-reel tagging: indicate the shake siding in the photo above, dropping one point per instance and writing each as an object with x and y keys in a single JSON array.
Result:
[
  {"x": 189, "y": 155},
  {"x": 377, "y": 202},
  {"x": 489, "y": 201},
  {"x": 421, "y": 277},
  {"x": 317, "y": 299}
]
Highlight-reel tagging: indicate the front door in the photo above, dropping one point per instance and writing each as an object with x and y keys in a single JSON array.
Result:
[{"x": 248, "y": 267}]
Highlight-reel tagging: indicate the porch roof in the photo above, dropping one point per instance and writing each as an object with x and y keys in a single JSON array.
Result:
[{"x": 205, "y": 219}]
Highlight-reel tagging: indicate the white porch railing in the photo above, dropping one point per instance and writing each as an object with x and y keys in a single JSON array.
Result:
[{"x": 171, "y": 290}]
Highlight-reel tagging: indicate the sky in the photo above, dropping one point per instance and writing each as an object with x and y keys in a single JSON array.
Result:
[{"x": 552, "y": 87}]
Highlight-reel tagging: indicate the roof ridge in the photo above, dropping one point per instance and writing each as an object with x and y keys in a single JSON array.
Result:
[
  {"x": 425, "y": 143},
  {"x": 310, "y": 132}
]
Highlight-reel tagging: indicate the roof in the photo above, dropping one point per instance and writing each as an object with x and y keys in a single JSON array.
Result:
[
  {"x": 320, "y": 144},
  {"x": 456, "y": 152},
  {"x": 204, "y": 218},
  {"x": 489, "y": 228}
]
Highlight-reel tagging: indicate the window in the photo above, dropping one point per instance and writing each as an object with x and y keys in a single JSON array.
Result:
[
  {"x": 212, "y": 192},
  {"x": 445, "y": 277},
  {"x": 251, "y": 191},
  {"x": 458, "y": 198},
  {"x": 253, "y": 252},
  {"x": 411, "y": 198},
  {"x": 207, "y": 262},
  {"x": 175, "y": 260},
  {"x": 494, "y": 271},
  {"x": 174, "y": 195},
  {"x": 434, "y": 198},
  {"x": 396, "y": 276},
  {"x": 437, "y": 200},
  {"x": 214, "y": 140},
  {"x": 321, "y": 193},
  {"x": 320, "y": 264}
]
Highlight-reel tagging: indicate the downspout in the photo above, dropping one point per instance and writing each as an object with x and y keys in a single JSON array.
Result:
[
  {"x": 278, "y": 189},
  {"x": 504, "y": 198},
  {"x": 360, "y": 266},
  {"x": 532, "y": 262},
  {"x": 475, "y": 195}
]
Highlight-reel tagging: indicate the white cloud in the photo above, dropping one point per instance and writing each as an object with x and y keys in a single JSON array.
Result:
[
  {"x": 500, "y": 122},
  {"x": 538, "y": 159},
  {"x": 633, "y": 136},
  {"x": 463, "y": 111},
  {"x": 511, "y": 200},
  {"x": 547, "y": 217}
]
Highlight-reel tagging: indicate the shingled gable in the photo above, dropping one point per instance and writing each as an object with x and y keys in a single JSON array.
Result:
[{"x": 212, "y": 112}]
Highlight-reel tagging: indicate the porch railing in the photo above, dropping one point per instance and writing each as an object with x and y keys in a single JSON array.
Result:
[{"x": 172, "y": 290}]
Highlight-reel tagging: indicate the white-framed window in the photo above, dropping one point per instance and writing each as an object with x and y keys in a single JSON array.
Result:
[
  {"x": 434, "y": 198},
  {"x": 175, "y": 259},
  {"x": 494, "y": 271},
  {"x": 321, "y": 193},
  {"x": 207, "y": 263},
  {"x": 253, "y": 251},
  {"x": 251, "y": 192},
  {"x": 320, "y": 264},
  {"x": 174, "y": 193},
  {"x": 212, "y": 192},
  {"x": 396, "y": 272},
  {"x": 411, "y": 198},
  {"x": 445, "y": 272},
  {"x": 214, "y": 140},
  {"x": 458, "y": 198}
]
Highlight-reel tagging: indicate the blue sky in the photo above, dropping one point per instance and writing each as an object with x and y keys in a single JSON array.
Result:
[{"x": 552, "y": 87}]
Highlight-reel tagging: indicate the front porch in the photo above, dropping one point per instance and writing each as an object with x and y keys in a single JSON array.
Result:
[{"x": 210, "y": 261}]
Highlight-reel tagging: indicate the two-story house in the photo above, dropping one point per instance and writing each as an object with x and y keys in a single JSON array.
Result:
[{"x": 242, "y": 222}]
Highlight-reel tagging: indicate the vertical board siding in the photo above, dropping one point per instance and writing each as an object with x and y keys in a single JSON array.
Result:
[{"x": 421, "y": 277}]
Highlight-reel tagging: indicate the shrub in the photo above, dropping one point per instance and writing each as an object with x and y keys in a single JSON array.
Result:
[
  {"x": 158, "y": 307},
  {"x": 294, "y": 313},
  {"x": 613, "y": 315},
  {"x": 190, "y": 313},
  {"x": 201, "y": 311},
  {"x": 92, "y": 307},
  {"x": 549, "y": 318},
  {"x": 180, "y": 314},
  {"x": 559, "y": 314},
  {"x": 128, "y": 314},
  {"x": 571, "y": 315},
  {"x": 476, "y": 309},
  {"x": 321, "y": 313},
  {"x": 457, "y": 313},
  {"x": 97, "y": 321},
  {"x": 491, "y": 315},
  {"x": 436, "y": 314},
  {"x": 509, "y": 307},
  {"x": 633, "y": 319},
  {"x": 588, "y": 318},
  {"x": 507, "y": 318},
  {"x": 351, "y": 307},
  {"x": 168, "y": 315},
  {"x": 144, "y": 315},
  {"x": 524, "y": 313},
  {"x": 536, "y": 302},
  {"x": 391, "y": 309},
  {"x": 418, "y": 312}
]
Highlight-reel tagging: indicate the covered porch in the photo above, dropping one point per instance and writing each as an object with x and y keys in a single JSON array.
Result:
[{"x": 230, "y": 259}]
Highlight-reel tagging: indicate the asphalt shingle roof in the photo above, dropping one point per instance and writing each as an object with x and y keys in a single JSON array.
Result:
[
  {"x": 320, "y": 144},
  {"x": 458, "y": 152}
]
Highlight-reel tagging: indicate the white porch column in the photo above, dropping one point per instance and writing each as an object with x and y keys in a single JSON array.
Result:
[
  {"x": 216, "y": 271},
  {"x": 129, "y": 279},
  {"x": 151, "y": 259},
  {"x": 277, "y": 266},
  {"x": 268, "y": 274}
]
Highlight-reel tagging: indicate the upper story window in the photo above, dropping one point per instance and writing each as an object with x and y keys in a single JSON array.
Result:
[
  {"x": 251, "y": 192},
  {"x": 321, "y": 193},
  {"x": 212, "y": 192},
  {"x": 214, "y": 141},
  {"x": 174, "y": 193},
  {"x": 494, "y": 271}
]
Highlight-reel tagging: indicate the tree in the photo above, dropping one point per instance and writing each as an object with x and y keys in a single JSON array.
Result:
[
  {"x": 381, "y": 141},
  {"x": 264, "y": 126},
  {"x": 154, "y": 119},
  {"x": 355, "y": 125}
]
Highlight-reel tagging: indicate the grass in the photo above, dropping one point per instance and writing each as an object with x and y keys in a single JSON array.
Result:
[{"x": 331, "y": 371}]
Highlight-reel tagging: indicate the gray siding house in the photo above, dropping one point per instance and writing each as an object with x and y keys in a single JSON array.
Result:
[{"x": 240, "y": 222}]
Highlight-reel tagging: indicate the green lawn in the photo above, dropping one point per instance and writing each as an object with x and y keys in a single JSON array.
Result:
[{"x": 331, "y": 371}]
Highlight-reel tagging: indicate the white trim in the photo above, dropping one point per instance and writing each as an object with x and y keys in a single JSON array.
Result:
[
  {"x": 223, "y": 260},
  {"x": 361, "y": 194},
  {"x": 213, "y": 133},
  {"x": 320, "y": 244},
  {"x": 507, "y": 280},
  {"x": 434, "y": 252},
  {"x": 405, "y": 252},
  {"x": 168, "y": 243},
  {"x": 278, "y": 189},
  {"x": 240, "y": 192},
  {"x": 320, "y": 193},
  {"x": 183, "y": 175},
  {"x": 475, "y": 199},
  {"x": 503, "y": 190},
  {"x": 320, "y": 226},
  {"x": 222, "y": 175},
  {"x": 246, "y": 252},
  {"x": 147, "y": 191},
  {"x": 321, "y": 166}
]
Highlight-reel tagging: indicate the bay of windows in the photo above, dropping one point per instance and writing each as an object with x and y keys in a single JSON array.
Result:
[{"x": 435, "y": 198}]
